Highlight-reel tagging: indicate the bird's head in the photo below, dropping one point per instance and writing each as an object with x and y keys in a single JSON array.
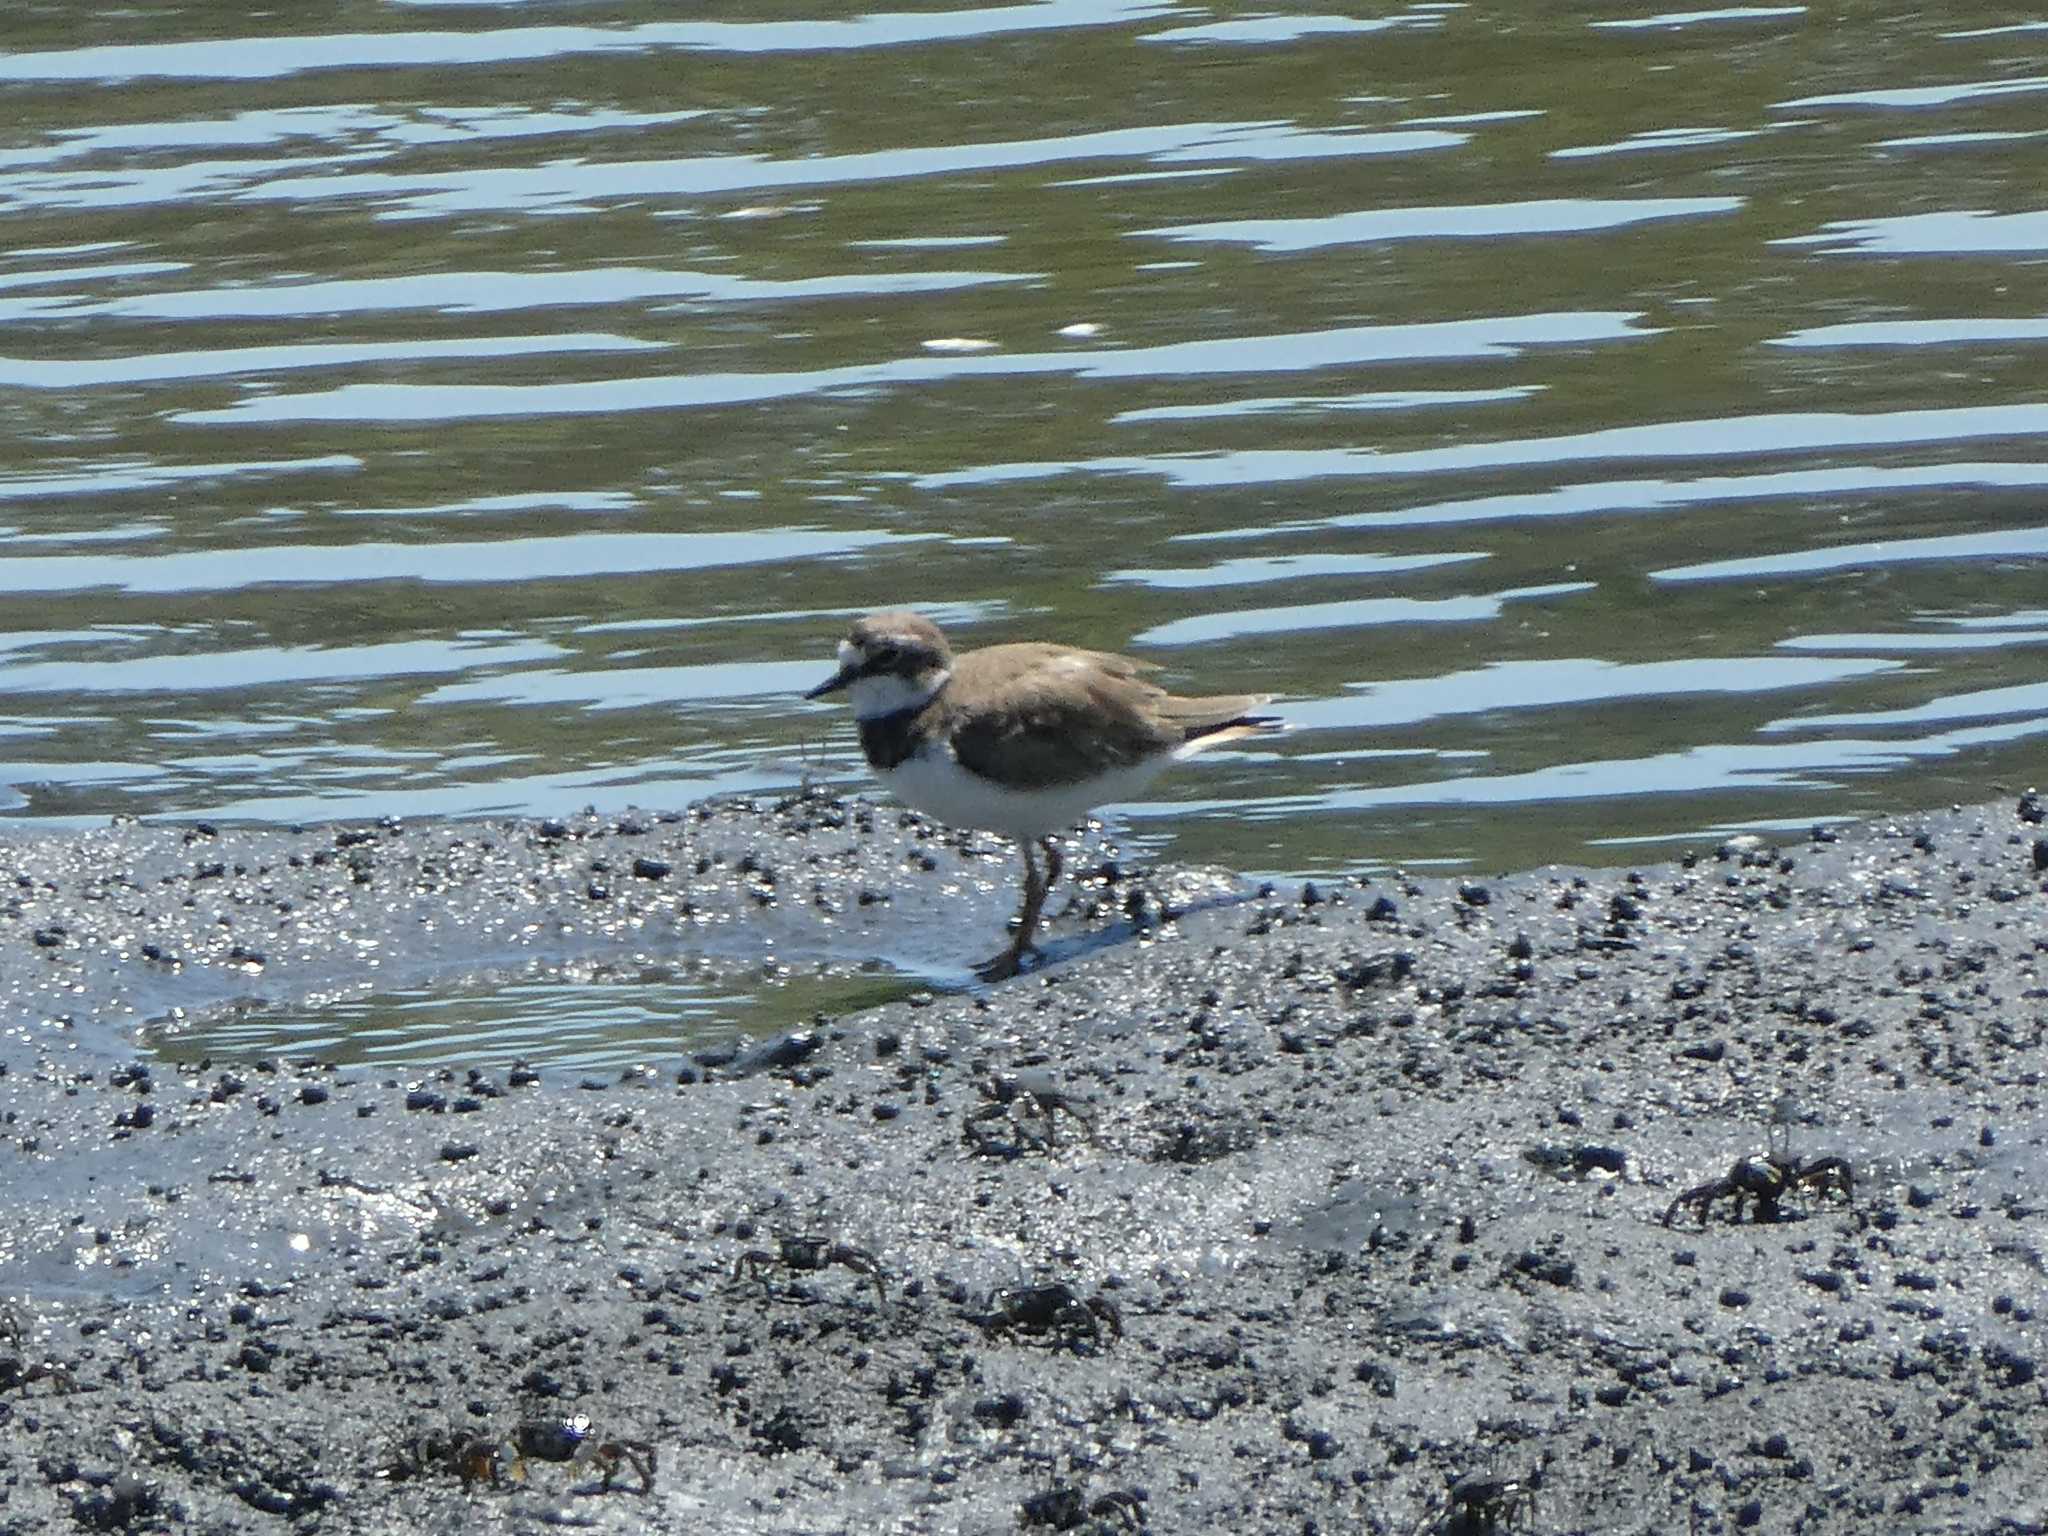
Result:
[{"x": 889, "y": 662}]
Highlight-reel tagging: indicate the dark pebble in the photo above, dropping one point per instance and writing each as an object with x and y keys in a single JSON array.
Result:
[
  {"x": 1605, "y": 1159},
  {"x": 1547, "y": 1267},
  {"x": 780, "y": 1055}
]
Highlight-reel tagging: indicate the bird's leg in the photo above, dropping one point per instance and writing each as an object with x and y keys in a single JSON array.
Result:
[
  {"x": 1011, "y": 960},
  {"x": 1035, "y": 888}
]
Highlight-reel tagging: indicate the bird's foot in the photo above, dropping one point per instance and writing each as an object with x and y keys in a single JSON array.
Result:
[{"x": 1005, "y": 965}]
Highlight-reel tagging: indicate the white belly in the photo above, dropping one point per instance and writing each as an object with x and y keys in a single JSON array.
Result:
[{"x": 933, "y": 781}]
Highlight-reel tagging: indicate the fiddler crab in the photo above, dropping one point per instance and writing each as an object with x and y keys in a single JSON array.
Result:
[
  {"x": 15, "y": 1371},
  {"x": 807, "y": 1254},
  {"x": 1013, "y": 1099},
  {"x": 502, "y": 1459},
  {"x": 1068, "y": 1508},
  {"x": 570, "y": 1440},
  {"x": 1054, "y": 1308},
  {"x": 1480, "y": 1504},
  {"x": 1765, "y": 1180}
]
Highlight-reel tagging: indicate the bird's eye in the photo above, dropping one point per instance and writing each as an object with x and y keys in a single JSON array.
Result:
[{"x": 883, "y": 656}]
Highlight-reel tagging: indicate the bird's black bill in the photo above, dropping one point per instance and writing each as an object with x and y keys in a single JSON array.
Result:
[{"x": 834, "y": 683}]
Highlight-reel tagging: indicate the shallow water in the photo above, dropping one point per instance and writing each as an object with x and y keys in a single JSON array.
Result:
[
  {"x": 1603, "y": 426},
  {"x": 591, "y": 1020}
]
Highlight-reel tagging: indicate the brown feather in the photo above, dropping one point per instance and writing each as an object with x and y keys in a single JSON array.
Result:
[{"x": 1039, "y": 715}]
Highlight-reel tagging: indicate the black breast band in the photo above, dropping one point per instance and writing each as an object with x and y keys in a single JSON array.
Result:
[{"x": 888, "y": 740}]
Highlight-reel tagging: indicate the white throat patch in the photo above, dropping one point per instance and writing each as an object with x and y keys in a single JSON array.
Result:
[{"x": 887, "y": 694}]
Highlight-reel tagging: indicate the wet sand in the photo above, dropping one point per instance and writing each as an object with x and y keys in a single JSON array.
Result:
[{"x": 1342, "y": 1194}]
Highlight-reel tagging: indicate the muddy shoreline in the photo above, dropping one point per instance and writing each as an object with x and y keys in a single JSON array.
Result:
[{"x": 1352, "y": 1191}]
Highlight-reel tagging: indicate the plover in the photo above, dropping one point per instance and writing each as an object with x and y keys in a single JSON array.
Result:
[{"x": 1023, "y": 740}]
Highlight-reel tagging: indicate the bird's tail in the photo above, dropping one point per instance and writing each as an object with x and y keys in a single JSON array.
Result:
[{"x": 1233, "y": 720}]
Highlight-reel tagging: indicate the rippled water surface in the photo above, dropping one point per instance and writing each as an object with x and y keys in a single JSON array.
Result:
[
  {"x": 1603, "y": 425},
  {"x": 587, "y": 1020}
]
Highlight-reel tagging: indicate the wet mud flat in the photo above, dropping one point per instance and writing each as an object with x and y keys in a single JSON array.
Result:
[{"x": 1280, "y": 1215}]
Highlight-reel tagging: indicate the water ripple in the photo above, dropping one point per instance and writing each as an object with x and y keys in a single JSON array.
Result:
[
  {"x": 114, "y": 477},
  {"x": 1913, "y": 97},
  {"x": 1569, "y": 683},
  {"x": 1257, "y": 572},
  {"x": 1675, "y": 20},
  {"x": 2023, "y": 701},
  {"x": 1356, "y": 613},
  {"x": 1916, "y": 333},
  {"x": 455, "y": 293},
  {"x": 1488, "y": 221},
  {"x": 1792, "y": 432},
  {"x": 158, "y": 367},
  {"x": 1285, "y": 353},
  {"x": 264, "y": 667},
  {"x": 567, "y": 186},
  {"x": 447, "y": 562},
  {"x": 1604, "y": 497},
  {"x": 1959, "y": 232},
  {"x": 275, "y": 58},
  {"x": 1286, "y": 29},
  {"x": 2002, "y": 544}
]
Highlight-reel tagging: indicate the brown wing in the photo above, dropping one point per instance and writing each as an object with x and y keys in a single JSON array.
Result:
[{"x": 1031, "y": 716}]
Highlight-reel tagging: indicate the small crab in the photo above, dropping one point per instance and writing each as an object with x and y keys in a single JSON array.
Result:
[
  {"x": 472, "y": 1457},
  {"x": 1480, "y": 1504},
  {"x": 1054, "y": 1308},
  {"x": 570, "y": 1440},
  {"x": 1127, "y": 1505},
  {"x": 502, "y": 1459},
  {"x": 1068, "y": 1508},
  {"x": 1012, "y": 1098},
  {"x": 15, "y": 1371},
  {"x": 808, "y": 1254},
  {"x": 1766, "y": 1179}
]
